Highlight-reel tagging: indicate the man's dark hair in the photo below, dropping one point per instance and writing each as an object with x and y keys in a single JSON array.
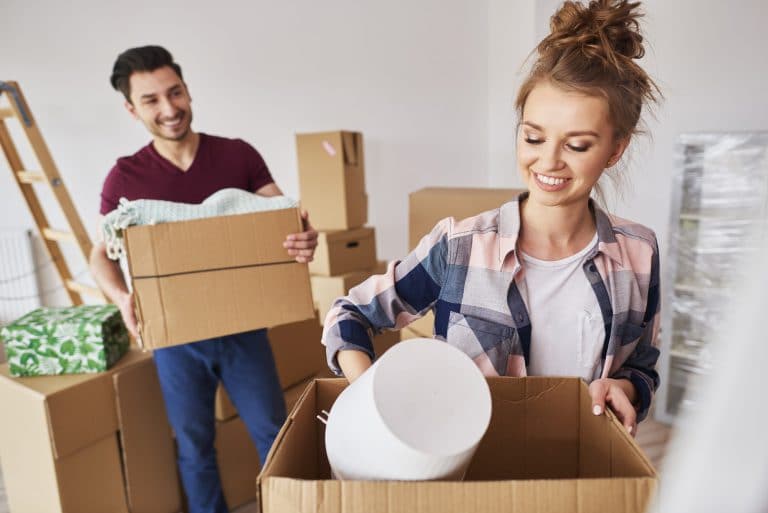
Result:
[{"x": 143, "y": 58}]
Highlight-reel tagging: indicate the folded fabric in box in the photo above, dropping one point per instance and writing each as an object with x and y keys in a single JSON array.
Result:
[{"x": 71, "y": 340}]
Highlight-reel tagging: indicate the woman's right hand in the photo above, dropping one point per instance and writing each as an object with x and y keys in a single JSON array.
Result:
[
  {"x": 353, "y": 363},
  {"x": 126, "y": 306}
]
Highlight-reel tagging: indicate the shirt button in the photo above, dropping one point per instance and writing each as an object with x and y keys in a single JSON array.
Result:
[{"x": 520, "y": 317}]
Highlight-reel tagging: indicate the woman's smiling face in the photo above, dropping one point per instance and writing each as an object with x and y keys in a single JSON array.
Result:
[{"x": 564, "y": 143}]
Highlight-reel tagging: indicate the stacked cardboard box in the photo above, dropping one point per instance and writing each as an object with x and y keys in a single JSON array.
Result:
[
  {"x": 332, "y": 181},
  {"x": 88, "y": 443},
  {"x": 544, "y": 451}
]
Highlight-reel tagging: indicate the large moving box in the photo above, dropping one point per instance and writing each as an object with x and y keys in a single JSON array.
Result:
[
  {"x": 344, "y": 251},
  {"x": 428, "y": 206},
  {"x": 61, "y": 451},
  {"x": 544, "y": 452},
  {"x": 211, "y": 277},
  {"x": 332, "y": 179}
]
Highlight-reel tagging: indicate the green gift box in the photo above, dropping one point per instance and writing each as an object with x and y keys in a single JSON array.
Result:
[{"x": 71, "y": 340}]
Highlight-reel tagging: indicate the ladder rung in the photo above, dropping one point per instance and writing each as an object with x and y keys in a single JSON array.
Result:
[
  {"x": 60, "y": 235},
  {"x": 84, "y": 289},
  {"x": 30, "y": 176},
  {"x": 7, "y": 113}
]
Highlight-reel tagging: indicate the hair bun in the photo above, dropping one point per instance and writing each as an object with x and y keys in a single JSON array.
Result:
[{"x": 607, "y": 30}]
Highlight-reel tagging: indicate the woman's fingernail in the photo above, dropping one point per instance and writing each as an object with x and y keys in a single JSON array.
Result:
[
  {"x": 629, "y": 429},
  {"x": 597, "y": 410}
]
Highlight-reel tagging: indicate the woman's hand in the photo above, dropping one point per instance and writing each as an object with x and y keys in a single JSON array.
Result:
[{"x": 619, "y": 395}]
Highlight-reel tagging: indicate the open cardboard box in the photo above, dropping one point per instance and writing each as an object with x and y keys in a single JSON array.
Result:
[
  {"x": 206, "y": 278},
  {"x": 544, "y": 452}
]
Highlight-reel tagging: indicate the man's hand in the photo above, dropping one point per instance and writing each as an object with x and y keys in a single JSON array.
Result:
[
  {"x": 302, "y": 245},
  {"x": 619, "y": 395},
  {"x": 125, "y": 304}
]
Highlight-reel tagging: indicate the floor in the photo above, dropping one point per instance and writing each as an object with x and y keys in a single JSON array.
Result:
[{"x": 652, "y": 437}]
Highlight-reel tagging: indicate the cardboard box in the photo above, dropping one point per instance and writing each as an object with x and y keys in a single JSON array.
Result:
[
  {"x": 59, "y": 445},
  {"x": 149, "y": 456},
  {"x": 298, "y": 355},
  {"x": 326, "y": 289},
  {"x": 344, "y": 251},
  {"x": 205, "y": 278},
  {"x": 544, "y": 452},
  {"x": 332, "y": 179},
  {"x": 382, "y": 342},
  {"x": 428, "y": 206},
  {"x": 238, "y": 462}
]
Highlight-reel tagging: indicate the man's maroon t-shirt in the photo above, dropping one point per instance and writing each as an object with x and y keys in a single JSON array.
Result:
[{"x": 219, "y": 163}]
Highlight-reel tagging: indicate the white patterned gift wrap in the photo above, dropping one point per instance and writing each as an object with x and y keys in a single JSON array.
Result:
[{"x": 70, "y": 340}]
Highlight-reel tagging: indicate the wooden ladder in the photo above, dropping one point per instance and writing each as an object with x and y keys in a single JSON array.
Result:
[{"x": 26, "y": 178}]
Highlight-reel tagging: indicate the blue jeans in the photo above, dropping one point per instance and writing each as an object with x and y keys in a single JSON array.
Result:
[{"x": 189, "y": 375}]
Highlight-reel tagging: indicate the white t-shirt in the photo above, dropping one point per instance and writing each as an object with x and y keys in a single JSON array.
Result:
[{"x": 567, "y": 330}]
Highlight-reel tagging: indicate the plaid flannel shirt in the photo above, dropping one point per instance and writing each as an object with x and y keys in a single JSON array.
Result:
[{"x": 468, "y": 272}]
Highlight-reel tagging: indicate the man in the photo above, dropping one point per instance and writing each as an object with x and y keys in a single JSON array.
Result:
[{"x": 182, "y": 165}]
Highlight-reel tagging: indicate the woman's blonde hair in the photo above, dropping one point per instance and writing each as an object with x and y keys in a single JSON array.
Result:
[{"x": 592, "y": 49}]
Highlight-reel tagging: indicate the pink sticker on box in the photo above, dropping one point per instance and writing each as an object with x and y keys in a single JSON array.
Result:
[{"x": 329, "y": 148}]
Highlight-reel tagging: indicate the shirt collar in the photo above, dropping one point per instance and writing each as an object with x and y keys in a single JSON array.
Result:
[{"x": 509, "y": 230}]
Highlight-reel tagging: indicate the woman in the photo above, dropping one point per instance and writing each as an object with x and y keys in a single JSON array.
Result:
[{"x": 548, "y": 284}]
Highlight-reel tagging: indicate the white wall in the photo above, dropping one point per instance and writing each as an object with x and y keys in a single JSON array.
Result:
[{"x": 412, "y": 76}]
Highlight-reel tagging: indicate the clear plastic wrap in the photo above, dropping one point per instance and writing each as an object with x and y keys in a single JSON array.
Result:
[{"x": 719, "y": 205}]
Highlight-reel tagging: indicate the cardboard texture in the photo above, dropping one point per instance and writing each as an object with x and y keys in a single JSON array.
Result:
[
  {"x": 148, "y": 453},
  {"x": 59, "y": 449},
  {"x": 206, "y": 278},
  {"x": 382, "y": 341},
  {"x": 238, "y": 462},
  {"x": 332, "y": 179},
  {"x": 298, "y": 355},
  {"x": 344, "y": 251},
  {"x": 428, "y": 206},
  {"x": 544, "y": 452},
  {"x": 326, "y": 289}
]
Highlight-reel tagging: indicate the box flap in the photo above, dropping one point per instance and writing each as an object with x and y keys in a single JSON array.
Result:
[
  {"x": 211, "y": 243},
  {"x": 149, "y": 459},
  {"x": 91, "y": 480},
  {"x": 353, "y": 148}
]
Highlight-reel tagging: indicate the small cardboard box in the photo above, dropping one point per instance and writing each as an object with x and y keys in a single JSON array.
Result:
[
  {"x": 332, "y": 179},
  {"x": 544, "y": 452},
  {"x": 238, "y": 461},
  {"x": 205, "y": 278},
  {"x": 59, "y": 445},
  {"x": 326, "y": 289},
  {"x": 344, "y": 251},
  {"x": 428, "y": 206}
]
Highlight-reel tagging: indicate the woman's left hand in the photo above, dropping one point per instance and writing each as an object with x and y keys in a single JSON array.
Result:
[{"x": 618, "y": 394}]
